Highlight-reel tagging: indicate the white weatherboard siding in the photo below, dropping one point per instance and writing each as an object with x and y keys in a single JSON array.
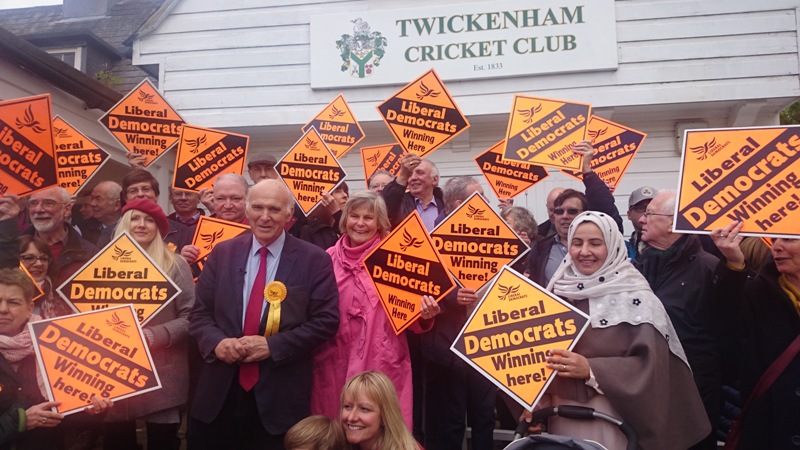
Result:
[{"x": 245, "y": 65}]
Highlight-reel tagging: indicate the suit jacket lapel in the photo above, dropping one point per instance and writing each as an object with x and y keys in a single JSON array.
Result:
[{"x": 242, "y": 249}]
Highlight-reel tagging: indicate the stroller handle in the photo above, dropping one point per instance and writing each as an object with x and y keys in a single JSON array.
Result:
[{"x": 578, "y": 413}]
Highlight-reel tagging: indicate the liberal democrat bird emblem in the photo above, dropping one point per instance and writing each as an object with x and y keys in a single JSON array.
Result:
[
  {"x": 335, "y": 112},
  {"x": 29, "y": 121},
  {"x": 474, "y": 212},
  {"x": 529, "y": 113},
  {"x": 702, "y": 150},
  {"x": 507, "y": 290},
  {"x": 374, "y": 159},
  {"x": 425, "y": 92},
  {"x": 116, "y": 322},
  {"x": 311, "y": 144},
  {"x": 594, "y": 134},
  {"x": 194, "y": 144},
  {"x": 410, "y": 241},
  {"x": 60, "y": 132},
  {"x": 211, "y": 238},
  {"x": 145, "y": 97},
  {"x": 120, "y": 253}
]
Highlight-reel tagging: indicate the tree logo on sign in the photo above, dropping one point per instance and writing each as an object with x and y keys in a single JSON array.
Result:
[{"x": 361, "y": 52}]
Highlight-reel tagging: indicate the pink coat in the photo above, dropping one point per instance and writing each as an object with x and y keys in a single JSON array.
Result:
[{"x": 365, "y": 339}]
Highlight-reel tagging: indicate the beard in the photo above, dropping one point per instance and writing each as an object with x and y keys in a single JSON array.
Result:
[{"x": 44, "y": 225}]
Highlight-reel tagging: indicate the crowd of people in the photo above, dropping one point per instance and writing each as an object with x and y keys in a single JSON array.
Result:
[{"x": 279, "y": 339}]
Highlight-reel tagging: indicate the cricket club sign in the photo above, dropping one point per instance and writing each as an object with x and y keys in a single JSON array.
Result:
[
  {"x": 361, "y": 52},
  {"x": 462, "y": 41}
]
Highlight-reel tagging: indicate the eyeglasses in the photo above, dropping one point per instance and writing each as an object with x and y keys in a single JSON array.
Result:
[
  {"x": 647, "y": 214},
  {"x": 30, "y": 259},
  {"x": 569, "y": 211},
  {"x": 143, "y": 190},
  {"x": 46, "y": 204}
]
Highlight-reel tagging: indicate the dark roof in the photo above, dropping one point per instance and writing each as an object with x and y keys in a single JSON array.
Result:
[
  {"x": 65, "y": 77},
  {"x": 114, "y": 28}
]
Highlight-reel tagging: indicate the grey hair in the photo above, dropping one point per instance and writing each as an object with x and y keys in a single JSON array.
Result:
[
  {"x": 670, "y": 196},
  {"x": 456, "y": 190},
  {"x": 62, "y": 193},
  {"x": 114, "y": 189},
  {"x": 234, "y": 177}
]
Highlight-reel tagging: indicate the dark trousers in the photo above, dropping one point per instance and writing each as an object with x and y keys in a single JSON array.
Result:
[
  {"x": 238, "y": 426},
  {"x": 457, "y": 396},
  {"x": 122, "y": 436}
]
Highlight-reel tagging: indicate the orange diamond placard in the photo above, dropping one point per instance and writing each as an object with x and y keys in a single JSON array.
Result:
[
  {"x": 510, "y": 332},
  {"x": 615, "y": 146},
  {"x": 475, "y": 243},
  {"x": 204, "y": 154},
  {"x": 210, "y": 231},
  {"x": 422, "y": 115},
  {"x": 309, "y": 168},
  {"x": 381, "y": 157},
  {"x": 100, "y": 353},
  {"x": 27, "y": 158},
  {"x": 39, "y": 292},
  {"x": 121, "y": 273},
  {"x": 78, "y": 158},
  {"x": 337, "y": 126},
  {"x": 746, "y": 174},
  {"x": 405, "y": 267},
  {"x": 144, "y": 123},
  {"x": 543, "y": 131},
  {"x": 508, "y": 178}
]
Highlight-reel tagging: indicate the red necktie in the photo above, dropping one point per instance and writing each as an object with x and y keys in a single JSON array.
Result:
[{"x": 248, "y": 372}]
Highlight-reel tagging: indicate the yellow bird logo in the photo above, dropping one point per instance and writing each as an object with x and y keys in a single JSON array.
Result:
[
  {"x": 507, "y": 290},
  {"x": 145, "y": 97},
  {"x": 702, "y": 150},
  {"x": 116, "y": 322},
  {"x": 335, "y": 112},
  {"x": 194, "y": 144},
  {"x": 425, "y": 92},
  {"x": 473, "y": 212},
  {"x": 60, "y": 132},
  {"x": 528, "y": 114},
  {"x": 410, "y": 241},
  {"x": 210, "y": 239},
  {"x": 29, "y": 121},
  {"x": 120, "y": 253},
  {"x": 594, "y": 134}
]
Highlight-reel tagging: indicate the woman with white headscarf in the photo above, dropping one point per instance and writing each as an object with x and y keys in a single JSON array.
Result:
[{"x": 629, "y": 363}]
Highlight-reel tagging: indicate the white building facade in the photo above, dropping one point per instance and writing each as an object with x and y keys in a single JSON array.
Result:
[{"x": 266, "y": 67}]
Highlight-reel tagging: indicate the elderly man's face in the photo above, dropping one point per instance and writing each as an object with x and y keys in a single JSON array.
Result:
[
  {"x": 230, "y": 200},
  {"x": 48, "y": 211},
  {"x": 262, "y": 171},
  {"x": 656, "y": 224},
  {"x": 105, "y": 207},
  {"x": 269, "y": 209},
  {"x": 184, "y": 202},
  {"x": 422, "y": 181}
]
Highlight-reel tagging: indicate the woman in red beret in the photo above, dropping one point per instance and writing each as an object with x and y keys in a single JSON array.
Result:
[{"x": 166, "y": 335}]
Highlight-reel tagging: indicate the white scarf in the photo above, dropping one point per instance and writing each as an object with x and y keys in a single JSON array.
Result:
[{"x": 616, "y": 292}]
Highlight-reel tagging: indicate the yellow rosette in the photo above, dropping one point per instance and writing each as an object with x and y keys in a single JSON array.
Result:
[{"x": 274, "y": 294}]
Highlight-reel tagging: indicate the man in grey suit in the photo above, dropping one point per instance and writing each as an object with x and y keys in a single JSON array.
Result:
[{"x": 264, "y": 302}]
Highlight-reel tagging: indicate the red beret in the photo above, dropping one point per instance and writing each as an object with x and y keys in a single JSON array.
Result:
[{"x": 152, "y": 209}]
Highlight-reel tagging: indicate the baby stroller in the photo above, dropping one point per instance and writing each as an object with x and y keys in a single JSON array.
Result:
[{"x": 547, "y": 441}]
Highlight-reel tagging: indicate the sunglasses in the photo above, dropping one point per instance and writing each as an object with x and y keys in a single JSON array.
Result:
[{"x": 570, "y": 211}]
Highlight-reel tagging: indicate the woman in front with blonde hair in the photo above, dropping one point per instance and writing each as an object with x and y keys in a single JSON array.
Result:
[
  {"x": 370, "y": 414},
  {"x": 166, "y": 334}
]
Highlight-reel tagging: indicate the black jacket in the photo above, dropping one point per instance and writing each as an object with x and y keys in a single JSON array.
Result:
[
  {"x": 400, "y": 203},
  {"x": 75, "y": 253},
  {"x": 760, "y": 313}
]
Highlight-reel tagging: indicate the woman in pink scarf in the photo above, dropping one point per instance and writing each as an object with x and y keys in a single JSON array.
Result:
[{"x": 366, "y": 339}]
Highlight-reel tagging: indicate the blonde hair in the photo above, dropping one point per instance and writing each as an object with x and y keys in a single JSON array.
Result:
[
  {"x": 315, "y": 433},
  {"x": 158, "y": 252},
  {"x": 374, "y": 202},
  {"x": 378, "y": 388}
]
